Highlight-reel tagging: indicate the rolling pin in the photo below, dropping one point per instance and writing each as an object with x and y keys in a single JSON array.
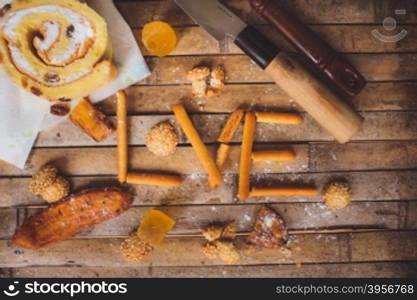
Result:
[{"x": 332, "y": 66}]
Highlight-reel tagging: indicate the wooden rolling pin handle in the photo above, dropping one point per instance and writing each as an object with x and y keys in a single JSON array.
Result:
[
  {"x": 334, "y": 115},
  {"x": 317, "y": 99}
]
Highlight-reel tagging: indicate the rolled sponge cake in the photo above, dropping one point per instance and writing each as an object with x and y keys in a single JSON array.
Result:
[{"x": 56, "y": 49}]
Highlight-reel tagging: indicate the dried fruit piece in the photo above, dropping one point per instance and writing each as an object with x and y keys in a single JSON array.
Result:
[
  {"x": 154, "y": 227},
  {"x": 92, "y": 121},
  {"x": 270, "y": 230},
  {"x": 162, "y": 139},
  {"x": 337, "y": 195},
  {"x": 159, "y": 38},
  {"x": 60, "y": 109}
]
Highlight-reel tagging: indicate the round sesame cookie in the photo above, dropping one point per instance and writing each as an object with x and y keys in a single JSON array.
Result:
[
  {"x": 337, "y": 195},
  {"x": 162, "y": 139}
]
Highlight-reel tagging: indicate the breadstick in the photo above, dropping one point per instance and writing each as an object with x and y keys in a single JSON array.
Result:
[
  {"x": 231, "y": 126},
  {"x": 280, "y": 155},
  {"x": 154, "y": 179},
  {"x": 245, "y": 156},
  {"x": 284, "y": 191},
  {"x": 222, "y": 155},
  {"x": 215, "y": 177},
  {"x": 279, "y": 118},
  {"x": 122, "y": 143}
]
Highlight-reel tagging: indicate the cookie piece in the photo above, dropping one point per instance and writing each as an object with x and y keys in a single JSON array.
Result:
[
  {"x": 270, "y": 230},
  {"x": 337, "y": 195},
  {"x": 199, "y": 80},
  {"x": 212, "y": 232},
  {"x": 217, "y": 78},
  {"x": 162, "y": 139},
  {"x": 134, "y": 249},
  {"x": 225, "y": 250}
]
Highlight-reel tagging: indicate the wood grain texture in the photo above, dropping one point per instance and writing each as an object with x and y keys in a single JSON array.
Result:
[
  {"x": 351, "y": 270},
  {"x": 240, "y": 68},
  {"x": 343, "y": 38},
  {"x": 377, "y": 126},
  {"x": 312, "y": 12},
  {"x": 184, "y": 251},
  {"x": 315, "y": 157},
  {"x": 380, "y": 164},
  {"x": 384, "y": 96},
  {"x": 298, "y": 216},
  {"x": 366, "y": 186},
  {"x": 102, "y": 161},
  {"x": 8, "y": 222},
  {"x": 360, "y": 156}
]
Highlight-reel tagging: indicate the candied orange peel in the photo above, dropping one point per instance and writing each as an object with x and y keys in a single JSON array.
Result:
[{"x": 159, "y": 38}]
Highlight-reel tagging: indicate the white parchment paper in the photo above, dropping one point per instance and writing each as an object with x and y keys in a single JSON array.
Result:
[{"x": 23, "y": 116}]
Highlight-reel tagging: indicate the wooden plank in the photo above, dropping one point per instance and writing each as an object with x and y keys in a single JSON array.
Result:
[
  {"x": 138, "y": 13},
  {"x": 240, "y": 68},
  {"x": 193, "y": 191},
  {"x": 384, "y": 245},
  {"x": 356, "y": 39},
  {"x": 305, "y": 216},
  {"x": 411, "y": 215},
  {"x": 366, "y": 186},
  {"x": 102, "y": 161},
  {"x": 323, "y": 157},
  {"x": 8, "y": 222},
  {"x": 5, "y": 273},
  {"x": 152, "y": 99},
  {"x": 185, "y": 251},
  {"x": 363, "y": 156},
  {"x": 351, "y": 270},
  {"x": 377, "y": 126}
]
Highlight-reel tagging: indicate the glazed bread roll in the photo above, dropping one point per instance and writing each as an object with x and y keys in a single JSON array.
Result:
[{"x": 56, "y": 49}]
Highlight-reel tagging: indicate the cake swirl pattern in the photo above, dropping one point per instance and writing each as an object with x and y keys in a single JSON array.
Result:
[{"x": 56, "y": 49}]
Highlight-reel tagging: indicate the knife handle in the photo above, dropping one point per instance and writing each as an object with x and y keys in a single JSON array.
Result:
[
  {"x": 332, "y": 113},
  {"x": 323, "y": 58}
]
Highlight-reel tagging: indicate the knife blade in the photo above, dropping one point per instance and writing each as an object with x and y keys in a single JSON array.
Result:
[{"x": 332, "y": 113}]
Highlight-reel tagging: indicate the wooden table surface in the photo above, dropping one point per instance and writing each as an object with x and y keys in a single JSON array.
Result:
[{"x": 380, "y": 163}]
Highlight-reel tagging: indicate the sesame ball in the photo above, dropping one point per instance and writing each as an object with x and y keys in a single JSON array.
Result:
[
  {"x": 337, "y": 195},
  {"x": 43, "y": 179},
  {"x": 162, "y": 139}
]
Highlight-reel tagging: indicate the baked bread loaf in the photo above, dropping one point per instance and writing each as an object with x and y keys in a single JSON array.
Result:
[
  {"x": 71, "y": 216},
  {"x": 56, "y": 49}
]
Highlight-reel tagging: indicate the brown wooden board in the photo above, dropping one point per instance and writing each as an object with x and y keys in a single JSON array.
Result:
[
  {"x": 374, "y": 237},
  {"x": 349, "y": 270},
  {"x": 185, "y": 251},
  {"x": 366, "y": 186}
]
